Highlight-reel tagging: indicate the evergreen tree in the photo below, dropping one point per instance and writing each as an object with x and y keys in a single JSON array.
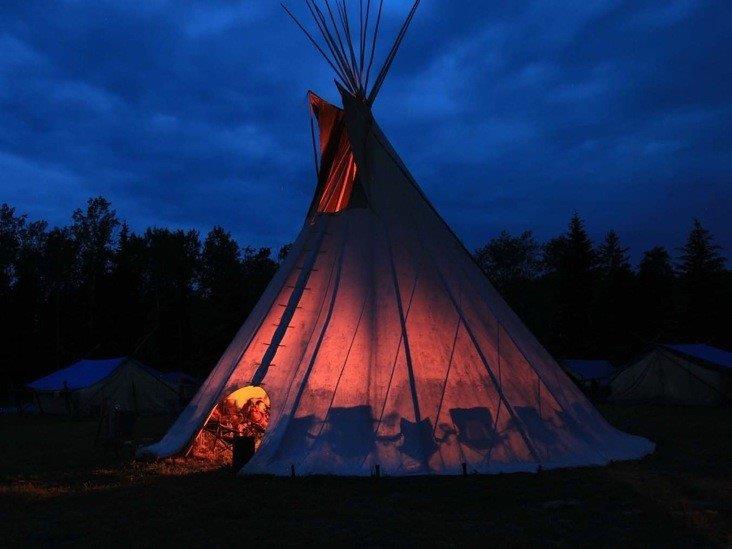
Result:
[
  {"x": 701, "y": 274},
  {"x": 615, "y": 301},
  {"x": 570, "y": 261},
  {"x": 612, "y": 257},
  {"x": 656, "y": 295}
]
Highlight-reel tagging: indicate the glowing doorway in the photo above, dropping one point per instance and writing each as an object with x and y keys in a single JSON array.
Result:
[{"x": 240, "y": 416}]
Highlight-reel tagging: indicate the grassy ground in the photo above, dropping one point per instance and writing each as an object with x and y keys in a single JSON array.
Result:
[{"x": 57, "y": 488}]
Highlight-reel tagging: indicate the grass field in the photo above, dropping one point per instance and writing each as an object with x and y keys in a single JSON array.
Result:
[{"x": 57, "y": 488}]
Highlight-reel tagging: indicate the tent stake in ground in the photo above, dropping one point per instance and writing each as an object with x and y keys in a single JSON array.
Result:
[{"x": 380, "y": 343}]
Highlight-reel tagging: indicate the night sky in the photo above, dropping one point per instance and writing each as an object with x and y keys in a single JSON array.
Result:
[{"x": 511, "y": 114}]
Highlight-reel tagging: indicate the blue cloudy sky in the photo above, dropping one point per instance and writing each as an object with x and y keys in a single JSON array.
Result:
[{"x": 511, "y": 114}]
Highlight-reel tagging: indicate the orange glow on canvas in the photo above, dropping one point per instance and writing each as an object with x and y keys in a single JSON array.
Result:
[{"x": 338, "y": 166}]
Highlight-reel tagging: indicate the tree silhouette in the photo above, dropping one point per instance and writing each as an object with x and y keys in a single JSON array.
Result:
[
  {"x": 612, "y": 257},
  {"x": 97, "y": 289},
  {"x": 284, "y": 252},
  {"x": 507, "y": 259},
  {"x": 701, "y": 274},
  {"x": 27, "y": 304},
  {"x": 172, "y": 264},
  {"x": 571, "y": 262},
  {"x": 222, "y": 291},
  {"x": 656, "y": 295},
  {"x": 614, "y": 298},
  {"x": 94, "y": 231},
  {"x": 129, "y": 302},
  {"x": 512, "y": 263},
  {"x": 10, "y": 238},
  {"x": 11, "y": 227},
  {"x": 259, "y": 267}
]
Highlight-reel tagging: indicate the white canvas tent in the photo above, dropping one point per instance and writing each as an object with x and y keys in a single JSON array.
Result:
[
  {"x": 685, "y": 374},
  {"x": 380, "y": 342}
]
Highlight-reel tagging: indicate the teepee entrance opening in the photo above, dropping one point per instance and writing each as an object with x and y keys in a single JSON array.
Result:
[{"x": 235, "y": 428}]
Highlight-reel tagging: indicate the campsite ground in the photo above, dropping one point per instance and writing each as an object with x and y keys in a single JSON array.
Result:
[{"x": 57, "y": 488}]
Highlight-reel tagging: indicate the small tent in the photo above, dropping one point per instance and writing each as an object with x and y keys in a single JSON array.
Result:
[
  {"x": 87, "y": 386},
  {"x": 380, "y": 343},
  {"x": 676, "y": 374},
  {"x": 588, "y": 374}
]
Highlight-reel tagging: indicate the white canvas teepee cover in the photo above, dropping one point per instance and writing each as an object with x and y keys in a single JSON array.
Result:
[{"x": 380, "y": 342}]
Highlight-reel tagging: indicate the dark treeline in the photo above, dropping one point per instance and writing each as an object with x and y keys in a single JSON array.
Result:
[
  {"x": 586, "y": 300},
  {"x": 97, "y": 289},
  {"x": 174, "y": 299}
]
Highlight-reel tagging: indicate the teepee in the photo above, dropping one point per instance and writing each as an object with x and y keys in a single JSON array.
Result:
[{"x": 380, "y": 343}]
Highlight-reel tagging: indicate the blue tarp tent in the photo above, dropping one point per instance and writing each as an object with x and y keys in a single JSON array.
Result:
[
  {"x": 91, "y": 385},
  {"x": 705, "y": 353},
  {"x": 77, "y": 376}
]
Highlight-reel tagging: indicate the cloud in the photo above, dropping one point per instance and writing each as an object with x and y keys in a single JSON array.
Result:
[
  {"x": 16, "y": 54},
  {"x": 46, "y": 186},
  {"x": 510, "y": 114},
  {"x": 667, "y": 13}
]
